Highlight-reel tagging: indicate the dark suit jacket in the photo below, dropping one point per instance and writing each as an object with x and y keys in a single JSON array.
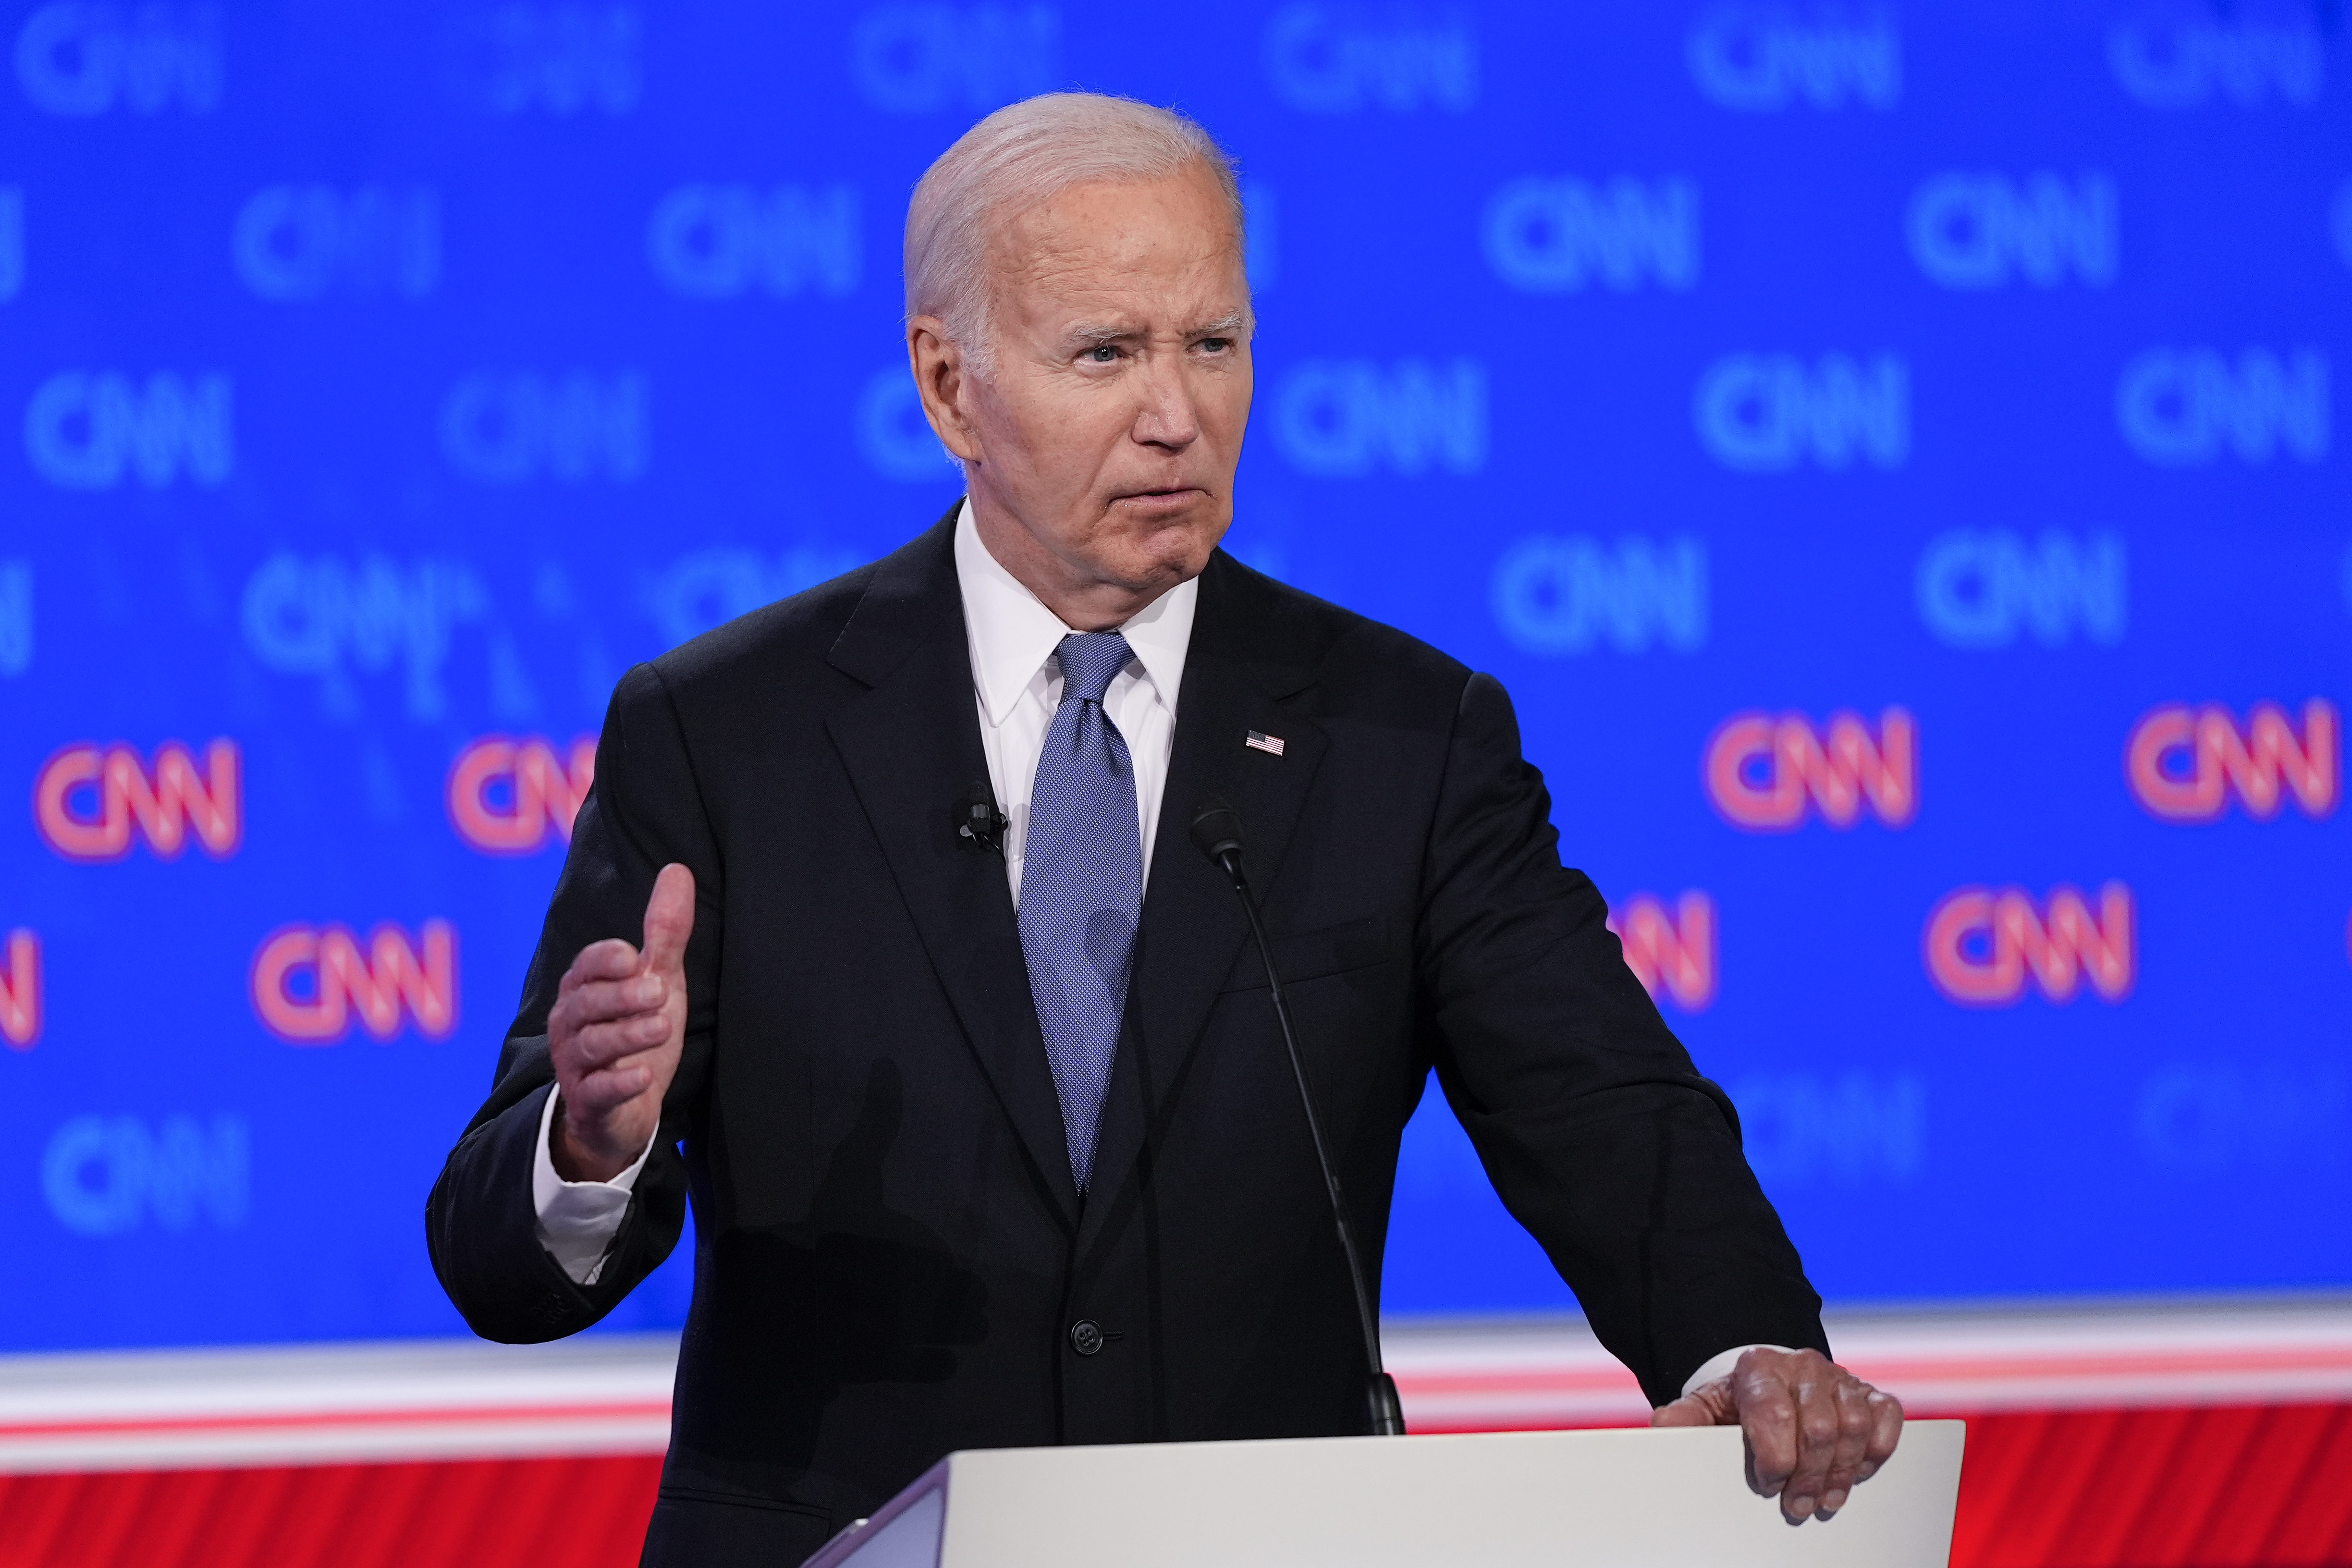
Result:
[{"x": 890, "y": 1248}]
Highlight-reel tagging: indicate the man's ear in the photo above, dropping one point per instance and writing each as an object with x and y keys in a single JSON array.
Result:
[{"x": 943, "y": 384}]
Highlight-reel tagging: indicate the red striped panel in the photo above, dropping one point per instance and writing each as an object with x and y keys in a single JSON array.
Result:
[
  {"x": 2228, "y": 1487},
  {"x": 584, "y": 1512},
  {"x": 2232, "y": 1486}
]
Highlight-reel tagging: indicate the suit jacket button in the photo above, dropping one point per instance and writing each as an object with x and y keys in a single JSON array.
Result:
[{"x": 1085, "y": 1336}]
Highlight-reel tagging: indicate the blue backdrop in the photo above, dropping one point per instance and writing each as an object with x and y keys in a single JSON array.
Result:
[{"x": 1887, "y": 453}]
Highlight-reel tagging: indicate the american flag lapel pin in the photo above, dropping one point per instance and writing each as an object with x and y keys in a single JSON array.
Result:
[{"x": 1271, "y": 744}]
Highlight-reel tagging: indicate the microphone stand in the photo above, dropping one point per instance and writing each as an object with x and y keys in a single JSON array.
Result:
[{"x": 1217, "y": 831}]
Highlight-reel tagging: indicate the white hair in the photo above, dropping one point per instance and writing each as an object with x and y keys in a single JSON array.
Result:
[{"x": 1023, "y": 154}]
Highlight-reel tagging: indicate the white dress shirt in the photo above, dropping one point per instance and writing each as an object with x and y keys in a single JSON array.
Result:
[
  {"x": 1016, "y": 685},
  {"x": 578, "y": 1220}
]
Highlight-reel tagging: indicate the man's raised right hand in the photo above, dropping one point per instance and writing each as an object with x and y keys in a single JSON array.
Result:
[{"x": 615, "y": 1033}]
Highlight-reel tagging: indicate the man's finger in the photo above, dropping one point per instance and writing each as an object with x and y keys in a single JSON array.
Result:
[
  {"x": 669, "y": 919},
  {"x": 598, "y": 1000},
  {"x": 599, "y": 1045},
  {"x": 1853, "y": 1399},
  {"x": 1815, "y": 1429},
  {"x": 608, "y": 960},
  {"x": 1885, "y": 1432},
  {"x": 1767, "y": 1415}
]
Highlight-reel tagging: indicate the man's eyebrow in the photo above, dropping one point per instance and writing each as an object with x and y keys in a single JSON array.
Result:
[{"x": 1090, "y": 332}]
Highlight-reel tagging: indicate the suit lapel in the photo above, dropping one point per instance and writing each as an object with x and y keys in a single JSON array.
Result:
[
  {"x": 911, "y": 743},
  {"x": 1192, "y": 929}
]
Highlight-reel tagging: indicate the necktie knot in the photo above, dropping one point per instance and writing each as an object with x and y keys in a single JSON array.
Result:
[{"x": 1089, "y": 661}]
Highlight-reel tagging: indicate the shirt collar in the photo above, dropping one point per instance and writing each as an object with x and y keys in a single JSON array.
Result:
[{"x": 1012, "y": 633}]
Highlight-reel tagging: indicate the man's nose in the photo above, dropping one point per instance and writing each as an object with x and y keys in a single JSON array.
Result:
[{"x": 1168, "y": 417}]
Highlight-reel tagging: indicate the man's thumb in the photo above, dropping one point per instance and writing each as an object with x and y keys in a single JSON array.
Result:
[
  {"x": 1708, "y": 1405},
  {"x": 669, "y": 919}
]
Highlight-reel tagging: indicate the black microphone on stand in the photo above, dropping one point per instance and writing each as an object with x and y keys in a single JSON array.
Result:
[{"x": 1217, "y": 832}]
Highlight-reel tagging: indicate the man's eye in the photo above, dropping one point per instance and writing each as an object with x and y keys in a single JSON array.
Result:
[
  {"x": 1102, "y": 353},
  {"x": 1217, "y": 346}
]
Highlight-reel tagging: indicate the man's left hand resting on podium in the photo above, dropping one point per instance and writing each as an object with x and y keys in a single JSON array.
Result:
[{"x": 1814, "y": 1430}]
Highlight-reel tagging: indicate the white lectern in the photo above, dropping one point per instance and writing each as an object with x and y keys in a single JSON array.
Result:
[{"x": 1614, "y": 1499}]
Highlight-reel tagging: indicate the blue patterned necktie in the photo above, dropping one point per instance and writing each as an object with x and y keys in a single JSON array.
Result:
[{"x": 1082, "y": 888}]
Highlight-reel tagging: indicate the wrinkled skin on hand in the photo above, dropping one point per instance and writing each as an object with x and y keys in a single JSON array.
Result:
[{"x": 1815, "y": 1431}]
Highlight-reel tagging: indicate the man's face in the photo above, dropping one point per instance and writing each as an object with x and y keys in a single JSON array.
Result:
[{"x": 1102, "y": 445}]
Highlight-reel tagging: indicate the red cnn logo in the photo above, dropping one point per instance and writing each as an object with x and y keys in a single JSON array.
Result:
[
  {"x": 1673, "y": 953},
  {"x": 308, "y": 981},
  {"x": 86, "y": 798},
  {"x": 2183, "y": 763},
  {"x": 506, "y": 797},
  {"x": 1982, "y": 943},
  {"x": 20, "y": 990},
  {"x": 1761, "y": 772}
]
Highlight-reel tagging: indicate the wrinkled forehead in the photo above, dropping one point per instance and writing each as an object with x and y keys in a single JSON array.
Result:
[{"x": 1177, "y": 233}]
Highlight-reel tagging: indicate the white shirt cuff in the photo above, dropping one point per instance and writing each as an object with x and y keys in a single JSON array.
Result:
[
  {"x": 578, "y": 1220},
  {"x": 1720, "y": 1365}
]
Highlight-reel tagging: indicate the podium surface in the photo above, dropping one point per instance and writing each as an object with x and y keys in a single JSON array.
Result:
[{"x": 1623, "y": 1498}]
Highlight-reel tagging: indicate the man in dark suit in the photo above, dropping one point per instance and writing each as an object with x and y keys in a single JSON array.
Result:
[{"x": 991, "y": 1140}]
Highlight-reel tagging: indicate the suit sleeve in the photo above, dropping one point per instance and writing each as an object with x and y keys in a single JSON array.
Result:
[
  {"x": 1596, "y": 1129},
  {"x": 644, "y": 811}
]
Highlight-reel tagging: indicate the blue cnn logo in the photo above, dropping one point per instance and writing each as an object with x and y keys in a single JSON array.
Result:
[
  {"x": 1764, "y": 57},
  {"x": 301, "y": 242},
  {"x": 1854, "y": 1130},
  {"x": 1348, "y": 419},
  {"x": 78, "y": 59},
  {"x": 1765, "y": 414},
  {"x": 719, "y": 242},
  {"x": 2180, "y": 62},
  {"x": 1986, "y": 589},
  {"x": 90, "y": 430},
  {"x": 1553, "y": 237},
  {"x": 1978, "y": 231},
  {"x": 327, "y": 616},
  {"x": 552, "y": 59},
  {"x": 509, "y": 429},
  {"x": 106, "y": 1175},
  {"x": 924, "y": 59},
  {"x": 2205, "y": 1119},
  {"x": 1560, "y": 595},
  {"x": 2185, "y": 407},
  {"x": 1328, "y": 60}
]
